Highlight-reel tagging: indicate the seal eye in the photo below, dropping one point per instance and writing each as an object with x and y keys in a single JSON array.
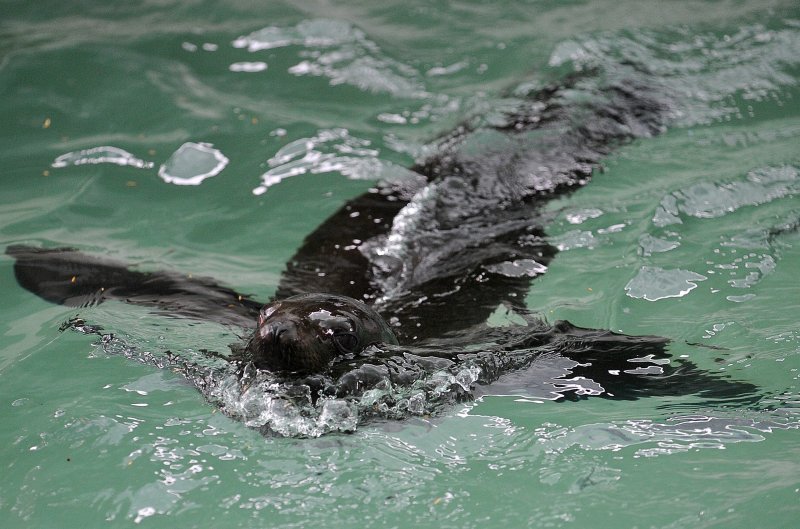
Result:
[{"x": 346, "y": 342}]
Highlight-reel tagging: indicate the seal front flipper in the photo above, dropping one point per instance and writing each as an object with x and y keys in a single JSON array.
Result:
[{"x": 66, "y": 276}]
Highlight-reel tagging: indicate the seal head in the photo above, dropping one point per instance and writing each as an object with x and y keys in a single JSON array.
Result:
[{"x": 303, "y": 334}]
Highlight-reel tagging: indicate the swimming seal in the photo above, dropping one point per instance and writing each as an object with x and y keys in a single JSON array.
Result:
[
  {"x": 320, "y": 340},
  {"x": 303, "y": 334},
  {"x": 438, "y": 252}
]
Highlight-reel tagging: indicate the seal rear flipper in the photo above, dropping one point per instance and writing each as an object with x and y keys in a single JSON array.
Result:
[{"x": 66, "y": 276}]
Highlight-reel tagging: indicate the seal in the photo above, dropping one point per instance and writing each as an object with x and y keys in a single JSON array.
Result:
[
  {"x": 323, "y": 341},
  {"x": 438, "y": 252},
  {"x": 303, "y": 334},
  {"x": 465, "y": 230}
]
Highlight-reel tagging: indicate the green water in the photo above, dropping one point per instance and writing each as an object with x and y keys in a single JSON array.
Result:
[{"x": 92, "y": 439}]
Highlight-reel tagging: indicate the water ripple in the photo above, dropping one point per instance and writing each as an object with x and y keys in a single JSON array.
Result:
[
  {"x": 709, "y": 200},
  {"x": 341, "y": 52},
  {"x": 102, "y": 154},
  {"x": 653, "y": 283},
  {"x": 705, "y": 73},
  {"x": 678, "y": 434},
  {"x": 330, "y": 150}
]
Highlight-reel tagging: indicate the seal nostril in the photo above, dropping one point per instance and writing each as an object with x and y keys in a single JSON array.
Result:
[{"x": 283, "y": 335}]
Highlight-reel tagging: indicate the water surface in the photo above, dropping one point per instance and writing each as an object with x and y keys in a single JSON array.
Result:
[{"x": 212, "y": 138}]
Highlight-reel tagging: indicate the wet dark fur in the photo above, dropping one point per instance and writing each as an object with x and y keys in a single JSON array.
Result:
[
  {"x": 491, "y": 184},
  {"x": 478, "y": 202},
  {"x": 305, "y": 333}
]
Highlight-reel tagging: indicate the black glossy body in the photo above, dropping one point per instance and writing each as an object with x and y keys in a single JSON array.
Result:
[
  {"x": 430, "y": 254},
  {"x": 430, "y": 251}
]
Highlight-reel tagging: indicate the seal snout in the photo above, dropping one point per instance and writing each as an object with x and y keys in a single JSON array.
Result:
[
  {"x": 275, "y": 333},
  {"x": 278, "y": 344}
]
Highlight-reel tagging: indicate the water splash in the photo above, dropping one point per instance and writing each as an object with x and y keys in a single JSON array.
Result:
[
  {"x": 308, "y": 33},
  {"x": 395, "y": 382}
]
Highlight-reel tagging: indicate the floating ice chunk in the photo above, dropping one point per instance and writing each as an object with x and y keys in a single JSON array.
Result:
[
  {"x": 249, "y": 67},
  {"x": 504, "y": 316},
  {"x": 766, "y": 265},
  {"x": 518, "y": 268},
  {"x": 707, "y": 200},
  {"x": 746, "y": 282},
  {"x": 104, "y": 154},
  {"x": 192, "y": 163},
  {"x": 653, "y": 283}
]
